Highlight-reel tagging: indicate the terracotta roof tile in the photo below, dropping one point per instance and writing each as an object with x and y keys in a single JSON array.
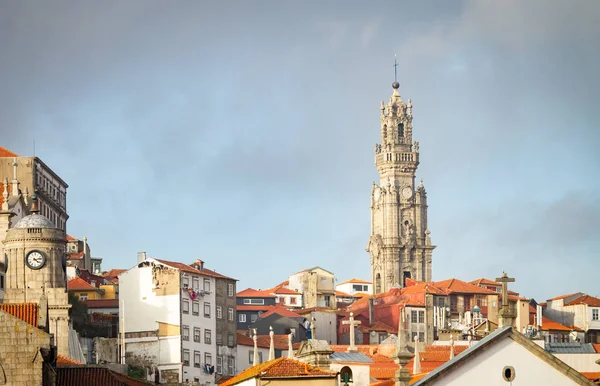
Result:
[
  {"x": 281, "y": 368},
  {"x": 252, "y": 293},
  {"x": 186, "y": 268},
  {"x": 596, "y": 347},
  {"x": 282, "y": 311},
  {"x": 62, "y": 360},
  {"x": 341, "y": 294},
  {"x": 355, "y": 281},
  {"x": 592, "y": 376},
  {"x": 564, "y": 296},
  {"x": 7, "y": 153},
  {"x": 280, "y": 341},
  {"x": 283, "y": 291},
  {"x": 71, "y": 238},
  {"x": 27, "y": 312},
  {"x": 551, "y": 325},
  {"x": 93, "y": 375},
  {"x": 459, "y": 286},
  {"x": 75, "y": 256},
  {"x": 78, "y": 284},
  {"x": 585, "y": 299},
  {"x": 113, "y": 273},
  {"x": 102, "y": 303}
]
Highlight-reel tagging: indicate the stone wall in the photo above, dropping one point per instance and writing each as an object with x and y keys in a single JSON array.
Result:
[{"x": 21, "y": 362}]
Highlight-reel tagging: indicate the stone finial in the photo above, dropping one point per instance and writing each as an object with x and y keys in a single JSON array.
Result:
[
  {"x": 26, "y": 196},
  {"x": 451, "y": 346},
  {"x": 15, "y": 181},
  {"x": 409, "y": 108},
  {"x": 421, "y": 184},
  {"x": 313, "y": 328},
  {"x": 469, "y": 338},
  {"x": 5, "y": 195},
  {"x": 403, "y": 356},
  {"x": 417, "y": 361},
  {"x": 255, "y": 357},
  {"x": 290, "y": 348},
  {"x": 271, "y": 344}
]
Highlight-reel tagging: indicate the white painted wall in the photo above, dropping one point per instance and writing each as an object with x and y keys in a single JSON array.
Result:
[
  {"x": 348, "y": 288},
  {"x": 243, "y": 352},
  {"x": 581, "y": 362},
  {"x": 593, "y": 324},
  {"x": 487, "y": 365},
  {"x": 326, "y": 325}
]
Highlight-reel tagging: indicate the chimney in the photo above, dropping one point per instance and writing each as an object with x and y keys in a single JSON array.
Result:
[
  {"x": 371, "y": 311},
  {"x": 538, "y": 316},
  {"x": 141, "y": 257},
  {"x": 199, "y": 264}
]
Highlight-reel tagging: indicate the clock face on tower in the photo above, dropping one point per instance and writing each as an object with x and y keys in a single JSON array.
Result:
[
  {"x": 407, "y": 192},
  {"x": 35, "y": 259}
]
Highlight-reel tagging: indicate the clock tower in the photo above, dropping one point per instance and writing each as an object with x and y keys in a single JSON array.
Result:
[
  {"x": 399, "y": 245},
  {"x": 34, "y": 250}
]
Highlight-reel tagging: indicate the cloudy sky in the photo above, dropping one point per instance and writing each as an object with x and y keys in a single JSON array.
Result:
[{"x": 242, "y": 132}]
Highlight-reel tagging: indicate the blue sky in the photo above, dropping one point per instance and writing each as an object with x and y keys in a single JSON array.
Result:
[{"x": 242, "y": 133}]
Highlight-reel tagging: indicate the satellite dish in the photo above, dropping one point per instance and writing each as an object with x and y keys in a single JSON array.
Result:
[{"x": 372, "y": 333}]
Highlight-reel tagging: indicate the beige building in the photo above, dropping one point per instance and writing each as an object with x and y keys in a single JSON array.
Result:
[
  {"x": 34, "y": 175},
  {"x": 399, "y": 245},
  {"x": 317, "y": 287},
  {"x": 34, "y": 250}
]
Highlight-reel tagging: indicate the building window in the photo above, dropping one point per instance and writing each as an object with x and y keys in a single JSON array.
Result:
[
  {"x": 195, "y": 308},
  {"x": 421, "y": 316},
  {"x": 197, "y": 334},
  {"x": 186, "y": 282},
  {"x": 327, "y": 300},
  {"x": 441, "y": 302},
  {"x": 230, "y": 290},
  {"x": 207, "y": 336},
  {"x": 219, "y": 339},
  {"x": 186, "y": 332},
  {"x": 186, "y": 306},
  {"x": 292, "y": 300},
  {"x": 207, "y": 359},
  {"x": 231, "y": 365},
  {"x": 254, "y": 301},
  {"x": 413, "y": 316},
  {"x": 413, "y": 335},
  {"x": 207, "y": 310},
  {"x": 595, "y": 314},
  {"x": 421, "y": 337},
  {"x": 197, "y": 358},
  {"x": 195, "y": 283},
  {"x": 219, "y": 312},
  {"x": 1, "y": 281},
  {"x": 219, "y": 364},
  {"x": 207, "y": 285},
  {"x": 242, "y": 318},
  {"x": 230, "y": 314},
  {"x": 251, "y": 356},
  {"x": 186, "y": 357},
  {"x": 83, "y": 296},
  {"x": 230, "y": 340}
]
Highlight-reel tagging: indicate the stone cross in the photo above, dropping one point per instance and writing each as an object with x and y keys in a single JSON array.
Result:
[
  {"x": 353, "y": 323},
  {"x": 505, "y": 280},
  {"x": 313, "y": 328}
]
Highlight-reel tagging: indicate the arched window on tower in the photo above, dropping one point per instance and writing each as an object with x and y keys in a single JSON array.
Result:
[
  {"x": 346, "y": 376},
  {"x": 378, "y": 283},
  {"x": 400, "y": 130},
  {"x": 406, "y": 275}
]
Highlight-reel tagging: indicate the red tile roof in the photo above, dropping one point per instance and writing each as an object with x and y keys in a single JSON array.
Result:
[
  {"x": 27, "y": 312},
  {"x": 550, "y": 325},
  {"x": 281, "y": 368},
  {"x": 62, "y": 360},
  {"x": 564, "y": 296},
  {"x": 75, "y": 256},
  {"x": 252, "y": 293},
  {"x": 592, "y": 376},
  {"x": 243, "y": 307},
  {"x": 355, "y": 281},
  {"x": 459, "y": 286},
  {"x": 341, "y": 294},
  {"x": 485, "y": 281},
  {"x": 102, "y": 303},
  {"x": 280, "y": 341},
  {"x": 78, "y": 284},
  {"x": 283, "y": 291},
  {"x": 282, "y": 311},
  {"x": 7, "y": 153},
  {"x": 380, "y": 326},
  {"x": 113, "y": 273},
  {"x": 93, "y": 375},
  {"x": 585, "y": 299},
  {"x": 596, "y": 347},
  {"x": 71, "y": 238}
]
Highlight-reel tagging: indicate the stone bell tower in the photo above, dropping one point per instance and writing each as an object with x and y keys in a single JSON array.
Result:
[
  {"x": 35, "y": 272},
  {"x": 400, "y": 246}
]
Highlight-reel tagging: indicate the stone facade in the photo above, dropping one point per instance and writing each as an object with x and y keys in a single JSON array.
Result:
[
  {"x": 21, "y": 357},
  {"x": 35, "y": 233},
  {"x": 226, "y": 326},
  {"x": 399, "y": 245}
]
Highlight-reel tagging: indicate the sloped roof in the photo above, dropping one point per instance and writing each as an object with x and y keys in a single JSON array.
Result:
[
  {"x": 341, "y": 294},
  {"x": 458, "y": 286},
  {"x": 113, "y": 273},
  {"x": 585, "y": 299},
  {"x": 252, "y": 293},
  {"x": 62, "y": 360},
  {"x": 281, "y": 368},
  {"x": 569, "y": 348},
  {"x": 7, "y": 153},
  {"x": 282, "y": 311},
  {"x": 355, "y": 281},
  {"x": 102, "y": 303},
  {"x": 506, "y": 332},
  {"x": 484, "y": 281},
  {"x": 283, "y": 291},
  {"x": 27, "y": 312},
  {"x": 280, "y": 341},
  {"x": 78, "y": 284},
  {"x": 186, "y": 268},
  {"x": 564, "y": 296},
  {"x": 551, "y": 325},
  {"x": 93, "y": 375},
  {"x": 314, "y": 269}
]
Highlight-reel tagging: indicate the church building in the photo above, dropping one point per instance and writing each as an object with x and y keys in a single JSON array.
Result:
[{"x": 399, "y": 245}]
